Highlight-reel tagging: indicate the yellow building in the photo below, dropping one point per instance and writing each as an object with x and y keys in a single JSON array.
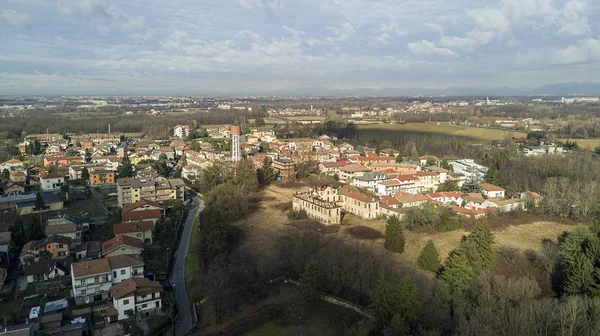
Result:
[
  {"x": 319, "y": 204},
  {"x": 133, "y": 189},
  {"x": 102, "y": 176}
]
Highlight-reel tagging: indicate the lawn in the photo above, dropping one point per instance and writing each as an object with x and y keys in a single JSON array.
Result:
[
  {"x": 474, "y": 133},
  {"x": 192, "y": 263}
]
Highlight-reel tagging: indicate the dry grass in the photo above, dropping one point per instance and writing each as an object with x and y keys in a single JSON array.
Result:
[
  {"x": 586, "y": 143},
  {"x": 479, "y": 134}
]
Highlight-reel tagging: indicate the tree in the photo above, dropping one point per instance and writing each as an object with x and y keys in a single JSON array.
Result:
[
  {"x": 429, "y": 259},
  {"x": 85, "y": 174},
  {"x": 493, "y": 176},
  {"x": 449, "y": 185},
  {"x": 259, "y": 122},
  {"x": 386, "y": 144},
  {"x": 393, "y": 302},
  {"x": 126, "y": 168},
  {"x": 445, "y": 165},
  {"x": 178, "y": 172},
  {"x": 183, "y": 159},
  {"x": 245, "y": 175},
  {"x": 580, "y": 253},
  {"x": 394, "y": 236},
  {"x": 5, "y": 175},
  {"x": 430, "y": 161},
  {"x": 414, "y": 154},
  {"x": 39, "y": 202},
  {"x": 473, "y": 182},
  {"x": 479, "y": 247},
  {"x": 458, "y": 274},
  {"x": 399, "y": 158},
  {"x": 267, "y": 173},
  {"x": 310, "y": 279},
  {"x": 264, "y": 147},
  {"x": 35, "y": 230}
]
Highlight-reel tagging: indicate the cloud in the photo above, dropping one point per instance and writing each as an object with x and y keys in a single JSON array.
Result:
[
  {"x": 343, "y": 33},
  {"x": 584, "y": 51},
  {"x": 574, "y": 21},
  {"x": 513, "y": 13},
  {"x": 295, "y": 32},
  {"x": 15, "y": 19},
  {"x": 390, "y": 31},
  {"x": 271, "y": 5},
  {"x": 101, "y": 9},
  {"x": 425, "y": 47},
  {"x": 435, "y": 27},
  {"x": 473, "y": 39}
]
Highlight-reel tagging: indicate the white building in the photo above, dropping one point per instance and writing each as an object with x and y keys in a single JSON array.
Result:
[
  {"x": 369, "y": 180},
  {"x": 468, "y": 168},
  {"x": 52, "y": 182},
  {"x": 492, "y": 191},
  {"x": 135, "y": 297},
  {"x": 181, "y": 131}
]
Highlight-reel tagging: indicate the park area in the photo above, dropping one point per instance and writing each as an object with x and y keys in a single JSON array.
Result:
[{"x": 444, "y": 128}]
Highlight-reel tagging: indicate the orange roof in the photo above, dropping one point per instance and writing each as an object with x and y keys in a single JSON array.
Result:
[
  {"x": 354, "y": 168},
  {"x": 390, "y": 183},
  {"x": 114, "y": 243},
  {"x": 91, "y": 267},
  {"x": 389, "y": 201},
  {"x": 445, "y": 194},
  {"x": 423, "y": 173},
  {"x": 139, "y": 204},
  {"x": 13, "y": 161},
  {"x": 135, "y": 286},
  {"x": 406, "y": 178},
  {"x": 404, "y": 197},
  {"x": 132, "y": 227},
  {"x": 491, "y": 187},
  {"x": 358, "y": 195}
]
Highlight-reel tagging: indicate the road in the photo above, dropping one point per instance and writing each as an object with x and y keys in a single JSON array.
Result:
[{"x": 184, "y": 319}]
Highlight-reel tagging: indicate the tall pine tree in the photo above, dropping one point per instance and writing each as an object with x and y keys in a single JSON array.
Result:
[
  {"x": 267, "y": 174},
  {"x": 429, "y": 259},
  {"x": 394, "y": 236}
]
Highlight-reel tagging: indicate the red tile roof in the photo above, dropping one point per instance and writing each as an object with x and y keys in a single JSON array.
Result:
[
  {"x": 139, "y": 204},
  {"x": 132, "y": 227},
  {"x": 114, "y": 243},
  {"x": 141, "y": 215},
  {"x": 135, "y": 286},
  {"x": 491, "y": 187}
]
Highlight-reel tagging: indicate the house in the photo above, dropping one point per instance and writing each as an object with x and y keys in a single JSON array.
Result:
[
  {"x": 142, "y": 211},
  {"x": 63, "y": 227},
  {"x": 284, "y": 168},
  {"x": 89, "y": 250},
  {"x": 427, "y": 181},
  {"x": 124, "y": 267},
  {"x": 444, "y": 173},
  {"x": 350, "y": 171},
  {"x": 468, "y": 168},
  {"x": 181, "y": 131},
  {"x": 51, "y": 321},
  {"x": 475, "y": 201},
  {"x": 531, "y": 198},
  {"x": 12, "y": 165},
  {"x": 101, "y": 176},
  {"x": 330, "y": 168},
  {"x": 12, "y": 189},
  {"x": 134, "y": 297},
  {"x": 359, "y": 203},
  {"x": 122, "y": 245},
  {"x": 388, "y": 187},
  {"x": 133, "y": 189},
  {"x": 507, "y": 205},
  {"x": 52, "y": 182},
  {"x": 319, "y": 204},
  {"x": 91, "y": 280},
  {"x": 369, "y": 180},
  {"x": 407, "y": 200},
  {"x": 18, "y": 177},
  {"x": 472, "y": 213},
  {"x": 25, "y": 204},
  {"x": 57, "y": 246},
  {"x": 492, "y": 191},
  {"x": 138, "y": 230},
  {"x": 46, "y": 270},
  {"x": 423, "y": 159},
  {"x": 62, "y": 160},
  {"x": 447, "y": 198}
]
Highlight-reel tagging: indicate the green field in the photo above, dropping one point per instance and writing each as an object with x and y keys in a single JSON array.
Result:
[{"x": 474, "y": 133}]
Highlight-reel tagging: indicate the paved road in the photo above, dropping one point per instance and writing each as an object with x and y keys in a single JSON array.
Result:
[{"x": 184, "y": 319}]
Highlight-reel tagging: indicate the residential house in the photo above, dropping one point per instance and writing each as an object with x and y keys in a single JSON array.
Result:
[
  {"x": 284, "y": 168},
  {"x": 388, "y": 187},
  {"x": 408, "y": 183},
  {"x": 359, "y": 203},
  {"x": 133, "y": 189},
  {"x": 444, "y": 173},
  {"x": 507, "y": 205},
  {"x": 89, "y": 250},
  {"x": 319, "y": 204},
  {"x": 12, "y": 189},
  {"x": 121, "y": 245},
  {"x": 18, "y": 177},
  {"x": 52, "y": 182},
  {"x": 531, "y": 198},
  {"x": 472, "y": 213},
  {"x": 181, "y": 131},
  {"x": 63, "y": 227},
  {"x": 348, "y": 172},
  {"x": 46, "y": 270},
  {"x": 135, "y": 297},
  {"x": 101, "y": 176},
  {"x": 91, "y": 280},
  {"x": 447, "y": 198},
  {"x": 124, "y": 267},
  {"x": 423, "y": 159},
  {"x": 62, "y": 160},
  {"x": 142, "y": 211},
  {"x": 57, "y": 246},
  {"x": 475, "y": 201},
  {"x": 427, "y": 181},
  {"x": 140, "y": 230},
  {"x": 492, "y": 191},
  {"x": 25, "y": 203},
  {"x": 407, "y": 200},
  {"x": 468, "y": 168},
  {"x": 12, "y": 165},
  {"x": 369, "y": 180},
  {"x": 330, "y": 168},
  {"x": 401, "y": 168}
]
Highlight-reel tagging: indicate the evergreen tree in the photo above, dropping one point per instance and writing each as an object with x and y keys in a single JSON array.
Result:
[
  {"x": 245, "y": 175},
  {"x": 5, "y": 175},
  {"x": 395, "y": 306},
  {"x": 310, "y": 279},
  {"x": 580, "y": 254},
  {"x": 458, "y": 274},
  {"x": 473, "y": 182},
  {"x": 85, "y": 174},
  {"x": 126, "y": 168},
  {"x": 394, "y": 236},
  {"x": 414, "y": 154},
  {"x": 493, "y": 176},
  {"x": 430, "y": 161},
  {"x": 429, "y": 259},
  {"x": 267, "y": 173},
  {"x": 35, "y": 230},
  {"x": 183, "y": 159},
  {"x": 444, "y": 164},
  {"x": 479, "y": 247},
  {"x": 399, "y": 158}
]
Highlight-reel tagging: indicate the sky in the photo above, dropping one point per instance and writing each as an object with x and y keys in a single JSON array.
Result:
[{"x": 266, "y": 46}]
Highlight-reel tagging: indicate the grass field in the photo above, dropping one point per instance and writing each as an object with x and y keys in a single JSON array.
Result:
[
  {"x": 586, "y": 143},
  {"x": 192, "y": 264},
  {"x": 477, "y": 134}
]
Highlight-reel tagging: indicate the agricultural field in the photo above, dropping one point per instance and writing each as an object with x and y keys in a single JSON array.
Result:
[
  {"x": 586, "y": 143},
  {"x": 444, "y": 128}
]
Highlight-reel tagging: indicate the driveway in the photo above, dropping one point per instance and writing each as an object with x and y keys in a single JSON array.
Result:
[{"x": 185, "y": 320}]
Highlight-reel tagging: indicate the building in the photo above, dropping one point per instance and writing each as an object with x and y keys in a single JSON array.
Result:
[
  {"x": 57, "y": 246},
  {"x": 359, "y": 203},
  {"x": 330, "y": 168},
  {"x": 181, "y": 131},
  {"x": 319, "y": 204},
  {"x": 102, "y": 176},
  {"x": 124, "y": 267},
  {"x": 492, "y": 191},
  {"x": 427, "y": 181},
  {"x": 284, "y": 168},
  {"x": 134, "y": 297},
  {"x": 18, "y": 177},
  {"x": 121, "y": 245},
  {"x": 388, "y": 187},
  {"x": 542, "y": 150},
  {"x": 133, "y": 189},
  {"x": 369, "y": 180},
  {"x": 236, "y": 149},
  {"x": 348, "y": 172},
  {"x": 12, "y": 165},
  {"x": 142, "y": 211},
  {"x": 51, "y": 182},
  {"x": 406, "y": 200},
  {"x": 12, "y": 189},
  {"x": 46, "y": 270},
  {"x": 63, "y": 227},
  {"x": 468, "y": 168},
  {"x": 140, "y": 230},
  {"x": 91, "y": 280},
  {"x": 447, "y": 198},
  {"x": 62, "y": 160}
]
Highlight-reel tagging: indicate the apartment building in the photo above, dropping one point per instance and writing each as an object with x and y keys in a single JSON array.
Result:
[
  {"x": 181, "y": 131},
  {"x": 350, "y": 171},
  {"x": 102, "y": 176},
  {"x": 427, "y": 181},
  {"x": 359, "y": 203},
  {"x": 369, "y": 180},
  {"x": 133, "y": 189},
  {"x": 51, "y": 182},
  {"x": 319, "y": 204}
]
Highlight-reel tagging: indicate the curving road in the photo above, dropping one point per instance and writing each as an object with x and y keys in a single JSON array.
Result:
[{"x": 184, "y": 319}]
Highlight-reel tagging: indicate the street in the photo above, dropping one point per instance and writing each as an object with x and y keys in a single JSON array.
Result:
[{"x": 184, "y": 318}]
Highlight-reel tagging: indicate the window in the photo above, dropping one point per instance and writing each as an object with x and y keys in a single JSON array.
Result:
[
  {"x": 83, "y": 292},
  {"x": 144, "y": 306},
  {"x": 114, "y": 274},
  {"x": 122, "y": 272},
  {"x": 138, "y": 235},
  {"x": 83, "y": 282},
  {"x": 60, "y": 245},
  {"x": 126, "y": 301}
]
